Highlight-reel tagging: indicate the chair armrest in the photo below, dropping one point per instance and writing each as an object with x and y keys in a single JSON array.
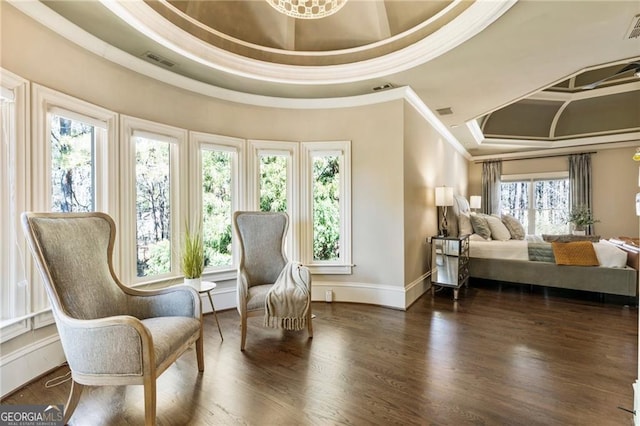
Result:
[
  {"x": 176, "y": 301},
  {"x": 104, "y": 346}
]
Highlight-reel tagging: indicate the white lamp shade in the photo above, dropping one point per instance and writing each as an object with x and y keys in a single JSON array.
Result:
[
  {"x": 444, "y": 196},
  {"x": 475, "y": 201}
]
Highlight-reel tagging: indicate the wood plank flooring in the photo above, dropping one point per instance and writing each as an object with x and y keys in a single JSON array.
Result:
[{"x": 501, "y": 355}]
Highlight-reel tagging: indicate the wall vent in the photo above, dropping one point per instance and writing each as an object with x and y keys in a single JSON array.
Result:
[
  {"x": 444, "y": 111},
  {"x": 634, "y": 29},
  {"x": 157, "y": 59}
]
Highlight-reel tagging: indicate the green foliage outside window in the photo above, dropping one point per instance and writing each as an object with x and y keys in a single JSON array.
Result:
[
  {"x": 216, "y": 204},
  {"x": 273, "y": 183},
  {"x": 326, "y": 208}
]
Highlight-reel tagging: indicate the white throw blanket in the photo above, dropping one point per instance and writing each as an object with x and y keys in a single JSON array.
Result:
[{"x": 287, "y": 302}]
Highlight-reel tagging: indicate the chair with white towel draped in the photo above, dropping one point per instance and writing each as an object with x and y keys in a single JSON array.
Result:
[{"x": 268, "y": 283}]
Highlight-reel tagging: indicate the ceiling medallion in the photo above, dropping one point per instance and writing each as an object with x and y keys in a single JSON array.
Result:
[{"x": 307, "y": 9}]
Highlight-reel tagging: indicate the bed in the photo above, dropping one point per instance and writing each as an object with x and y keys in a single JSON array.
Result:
[{"x": 533, "y": 261}]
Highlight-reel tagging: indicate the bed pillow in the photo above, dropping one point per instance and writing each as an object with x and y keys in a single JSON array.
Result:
[
  {"x": 578, "y": 253},
  {"x": 480, "y": 226},
  {"x": 514, "y": 226},
  {"x": 464, "y": 224},
  {"x": 498, "y": 230},
  {"x": 610, "y": 256}
]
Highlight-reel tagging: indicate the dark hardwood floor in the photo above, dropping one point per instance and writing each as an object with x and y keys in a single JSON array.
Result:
[{"x": 501, "y": 355}]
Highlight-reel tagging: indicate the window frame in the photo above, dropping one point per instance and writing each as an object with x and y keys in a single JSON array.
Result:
[
  {"x": 260, "y": 148},
  {"x": 46, "y": 101},
  {"x": 15, "y": 265},
  {"x": 198, "y": 142},
  {"x": 131, "y": 127},
  {"x": 343, "y": 265},
  {"x": 531, "y": 178}
]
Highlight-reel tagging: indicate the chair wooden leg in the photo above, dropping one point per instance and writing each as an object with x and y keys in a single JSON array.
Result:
[
  {"x": 72, "y": 402},
  {"x": 243, "y": 331},
  {"x": 310, "y": 323},
  {"x": 149, "y": 400},
  {"x": 200, "y": 353}
]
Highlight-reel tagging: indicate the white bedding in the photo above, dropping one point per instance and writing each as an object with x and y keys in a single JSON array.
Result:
[
  {"x": 493, "y": 249},
  {"x": 608, "y": 255}
]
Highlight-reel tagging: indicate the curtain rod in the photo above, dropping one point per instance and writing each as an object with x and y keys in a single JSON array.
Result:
[{"x": 537, "y": 157}]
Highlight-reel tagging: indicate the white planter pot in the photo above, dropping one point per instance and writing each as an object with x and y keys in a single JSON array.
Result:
[
  {"x": 576, "y": 232},
  {"x": 194, "y": 282}
]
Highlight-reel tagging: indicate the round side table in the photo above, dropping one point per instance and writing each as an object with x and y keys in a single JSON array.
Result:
[{"x": 207, "y": 287}]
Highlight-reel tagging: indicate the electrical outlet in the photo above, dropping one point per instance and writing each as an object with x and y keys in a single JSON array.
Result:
[{"x": 328, "y": 296}]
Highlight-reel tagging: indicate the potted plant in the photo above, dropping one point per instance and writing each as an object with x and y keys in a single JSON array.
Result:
[
  {"x": 581, "y": 217},
  {"x": 192, "y": 260}
]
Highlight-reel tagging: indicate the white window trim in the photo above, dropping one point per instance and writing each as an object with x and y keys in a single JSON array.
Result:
[
  {"x": 532, "y": 177},
  {"x": 199, "y": 141},
  {"x": 259, "y": 148},
  {"x": 17, "y": 289},
  {"x": 178, "y": 138},
  {"x": 310, "y": 149},
  {"x": 44, "y": 102}
]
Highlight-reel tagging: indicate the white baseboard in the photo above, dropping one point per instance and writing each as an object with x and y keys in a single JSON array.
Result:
[
  {"x": 375, "y": 294},
  {"x": 29, "y": 362},
  {"x": 636, "y": 402}
]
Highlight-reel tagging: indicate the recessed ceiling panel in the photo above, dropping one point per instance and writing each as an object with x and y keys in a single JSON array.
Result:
[
  {"x": 525, "y": 119},
  {"x": 601, "y": 115}
]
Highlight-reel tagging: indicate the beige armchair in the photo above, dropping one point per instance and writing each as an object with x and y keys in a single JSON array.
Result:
[
  {"x": 111, "y": 334},
  {"x": 262, "y": 238}
]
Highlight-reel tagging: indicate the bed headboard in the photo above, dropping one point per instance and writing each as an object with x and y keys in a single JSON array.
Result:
[{"x": 460, "y": 205}]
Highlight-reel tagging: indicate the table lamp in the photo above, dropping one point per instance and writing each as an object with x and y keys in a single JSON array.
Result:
[{"x": 444, "y": 198}]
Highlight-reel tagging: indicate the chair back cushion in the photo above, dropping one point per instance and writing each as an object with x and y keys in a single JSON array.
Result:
[
  {"x": 75, "y": 261},
  {"x": 262, "y": 239}
]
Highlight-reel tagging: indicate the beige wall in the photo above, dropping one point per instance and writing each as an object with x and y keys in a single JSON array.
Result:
[
  {"x": 615, "y": 183},
  {"x": 429, "y": 161},
  {"x": 375, "y": 131}
]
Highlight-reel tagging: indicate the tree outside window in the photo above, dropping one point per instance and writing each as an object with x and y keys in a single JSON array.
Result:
[
  {"x": 153, "y": 209},
  {"x": 217, "y": 206},
  {"x": 539, "y": 204},
  {"x": 72, "y": 165},
  {"x": 326, "y": 208}
]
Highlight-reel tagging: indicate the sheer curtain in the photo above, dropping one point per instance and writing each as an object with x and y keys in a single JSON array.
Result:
[
  {"x": 491, "y": 172},
  {"x": 580, "y": 183}
]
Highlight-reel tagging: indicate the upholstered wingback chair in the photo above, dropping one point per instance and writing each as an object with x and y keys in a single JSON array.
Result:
[
  {"x": 111, "y": 334},
  {"x": 262, "y": 237}
]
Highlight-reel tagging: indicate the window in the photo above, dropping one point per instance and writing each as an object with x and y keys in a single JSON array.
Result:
[
  {"x": 151, "y": 222},
  {"x": 274, "y": 182},
  {"x": 311, "y": 182},
  {"x": 72, "y": 164},
  {"x": 540, "y": 202},
  {"x": 327, "y": 211},
  {"x": 220, "y": 188},
  {"x": 153, "y": 206},
  {"x": 13, "y": 280},
  {"x": 275, "y": 179}
]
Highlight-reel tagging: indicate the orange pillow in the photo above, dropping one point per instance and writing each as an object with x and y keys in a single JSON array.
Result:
[{"x": 579, "y": 253}]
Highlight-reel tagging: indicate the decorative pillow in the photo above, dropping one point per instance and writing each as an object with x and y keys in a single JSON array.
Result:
[
  {"x": 514, "y": 226},
  {"x": 480, "y": 226},
  {"x": 498, "y": 230},
  {"x": 579, "y": 253},
  {"x": 610, "y": 256},
  {"x": 566, "y": 238},
  {"x": 464, "y": 224}
]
